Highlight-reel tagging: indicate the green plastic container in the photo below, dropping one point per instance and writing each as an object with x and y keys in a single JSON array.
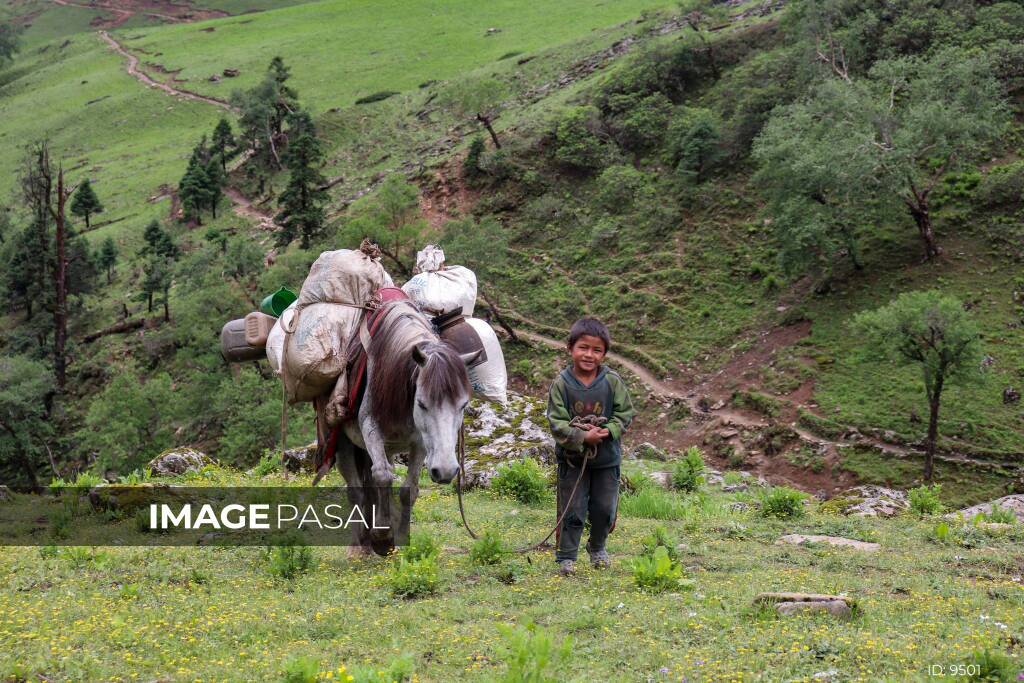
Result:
[{"x": 275, "y": 303}]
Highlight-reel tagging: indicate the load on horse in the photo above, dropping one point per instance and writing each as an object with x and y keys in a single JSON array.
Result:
[{"x": 383, "y": 377}]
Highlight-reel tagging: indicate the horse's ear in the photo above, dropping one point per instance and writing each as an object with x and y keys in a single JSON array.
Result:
[
  {"x": 470, "y": 358},
  {"x": 418, "y": 355}
]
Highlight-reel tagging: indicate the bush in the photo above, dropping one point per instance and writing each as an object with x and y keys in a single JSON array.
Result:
[
  {"x": 659, "y": 538},
  {"x": 412, "y": 578},
  {"x": 688, "y": 473},
  {"x": 400, "y": 670},
  {"x": 487, "y": 549},
  {"x": 619, "y": 186},
  {"x": 290, "y": 560},
  {"x": 605, "y": 234},
  {"x": 499, "y": 165},
  {"x": 638, "y": 122},
  {"x": 576, "y": 138},
  {"x": 992, "y": 665},
  {"x": 268, "y": 464},
  {"x": 471, "y": 165},
  {"x": 303, "y": 669},
  {"x": 782, "y": 502},
  {"x": 694, "y": 139},
  {"x": 658, "y": 572},
  {"x": 421, "y": 546},
  {"x": 924, "y": 500},
  {"x": 529, "y": 652},
  {"x": 1002, "y": 185},
  {"x": 631, "y": 483},
  {"x": 652, "y": 503},
  {"x": 758, "y": 402},
  {"x": 522, "y": 480},
  {"x": 1000, "y": 515}
]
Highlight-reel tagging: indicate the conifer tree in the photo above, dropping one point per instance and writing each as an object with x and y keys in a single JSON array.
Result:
[
  {"x": 85, "y": 202},
  {"x": 220, "y": 142},
  {"x": 107, "y": 257},
  {"x": 302, "y": 201}
]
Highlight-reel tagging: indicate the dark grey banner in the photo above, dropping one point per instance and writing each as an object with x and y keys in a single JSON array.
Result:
[{"x": 168, "y": 515}]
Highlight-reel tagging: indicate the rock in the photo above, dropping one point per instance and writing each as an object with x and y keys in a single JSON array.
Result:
[
  {"x": 870, "y": 501},
  {"x": 734, "y": 488},
  {"x": 298, "y": 460},
  {"x": 478, "y": 475},
  {"x": 800, "y": 539},
  {"x": 214, "y": 78},
  {"x": 5, "y": 493},
  {"x": 129, "y": 497},
  {"x": 1013, "y": 503},
  {"x": 738, "y": 506},
  {"x": 836, "y": 608},
  {"x": 771, "y": 598},
  {"x": 662, "y": 478},
  {"x": 178, "y": 461},
  {"x": 648, "y": 451},
  {"x": 1010, "y": 395},
  {"x": 497, "y": 434},
  {"x": 230, "y": 73}
]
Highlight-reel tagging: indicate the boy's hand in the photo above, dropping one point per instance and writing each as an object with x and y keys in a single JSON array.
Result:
[{"x": 594, "y": 436}]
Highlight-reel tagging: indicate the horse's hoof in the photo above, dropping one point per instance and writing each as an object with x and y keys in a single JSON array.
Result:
[
  {"x": 383, "y": 476},
  {"x": 358, "y": 552}
]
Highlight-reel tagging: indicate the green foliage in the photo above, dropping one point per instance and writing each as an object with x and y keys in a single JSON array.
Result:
[
  {"x": 924, "y": 500},
  {"x": 289, "y": 560},
  {"x": 1002, "y": 185},
  {"x": 129, "y": 421},
  {"x": 9, "y": 41},
  {"x": 24, "y": 425},
  {"x": 531, "y": 655},
  {"x": 302, "y": 201},
  {"x": 85, "y": 203},
  {"x": 620, "y": 186},
  {"x": 107, "y": 257},
  {"x": 391, "y": 218},
  {"x": 221, "y": 142},
  {"x": 422, "y": 545},
  {"x": 521, "y": 480},
  {"x": 694, "y": 143},
  {"x": 577, "y": 138},
  {"x": 782, "y": 502},
  {"x": 479, "y": 245},
  {"x": 657, "y": 573},
  {"x": 251, "y": 413},
  {"x": 941, "y": 532},
  {"x": 651, "y": 503},
  {"x": 268, "y": 464},
  {"x": 414, "y": 578},
  {"x": 757, "y": 401},
  {"x": 377, "y": 97},
  {"x": 300, "y": 669},
  {"x": 638, "y": 121},
  {"x": 400, "y": 670},
  {"x": 659, "y": 538},
  {"x": 487, "y": 550},
  {"x": 688, "y": 473},
  {"x": 993, "y": 666},
  {"x": 1000, "y": 515},
  {"x": 471, "y": 164}
]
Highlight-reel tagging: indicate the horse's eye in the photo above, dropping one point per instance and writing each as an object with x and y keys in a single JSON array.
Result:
[{"x": 420, "y": 404}]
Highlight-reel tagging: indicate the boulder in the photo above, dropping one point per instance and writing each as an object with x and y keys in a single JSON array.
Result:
[
  {"x": 648, "y": 451},
  {"x": 1013, "y": 503},
  {"x": 772, "y": 598},
  {"x": 496, "y": 434},
  {"x": 177, "y": 461},
  {"x": 836, "y": 608},
  {"x": 298, "y": 460},
  {"x": 800, "y": 539},
  {"x": 127, "y": 498},
  {"x": 869, "y": 501},
  {"x": 662, "y": 478}
]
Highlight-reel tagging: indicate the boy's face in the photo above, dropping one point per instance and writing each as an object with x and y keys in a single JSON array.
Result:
[{"x": 587, "y": 353}]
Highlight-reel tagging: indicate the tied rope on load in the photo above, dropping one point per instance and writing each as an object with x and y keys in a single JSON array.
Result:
[{"x": 589, "y": 452}]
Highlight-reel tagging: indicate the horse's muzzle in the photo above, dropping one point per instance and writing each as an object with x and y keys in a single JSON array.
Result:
[{"x": 443, "y": 475}]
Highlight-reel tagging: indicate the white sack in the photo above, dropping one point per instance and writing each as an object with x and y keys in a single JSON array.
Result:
[
  {"x": 343, "y": 276},
  {"x": 489, "y": 379},
  {"x": 443, "y": 290},
  {"x": 429, "y": 259},
  {"x": 275, "y": 341},
  {"x": 316, "y": 352}
]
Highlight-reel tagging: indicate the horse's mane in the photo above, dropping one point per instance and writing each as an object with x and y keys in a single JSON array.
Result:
[{"x": 392, "y": 383}]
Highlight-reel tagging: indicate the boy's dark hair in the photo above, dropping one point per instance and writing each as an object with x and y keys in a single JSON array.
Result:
[{"x": 591, "y": 327}]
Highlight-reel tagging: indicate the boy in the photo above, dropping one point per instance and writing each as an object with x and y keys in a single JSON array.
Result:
[{"x": 587, "y": 388}]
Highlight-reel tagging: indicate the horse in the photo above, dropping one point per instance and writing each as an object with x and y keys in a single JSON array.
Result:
[{"x": 417, "y": 389}]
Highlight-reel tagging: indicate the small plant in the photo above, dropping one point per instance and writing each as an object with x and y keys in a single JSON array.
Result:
[
  {"x": 522, "y": 480},
  {"x": 268, "y": 464},
  {"x": 400, "y": 670},
  {"x": 303, "y": 669},
  {"x": 657, "y": 572},
  {"x": 136, "y": 477},
  {"x": 924, "y": 500},
  {"x": 659, "y": 538},
  {"x": 991, "y": 665},
  {"x": 289, "y": 560},
  {"x": 487, "y": 549},
  {"x": 652, "y": 504},
  {"x": 421, "y": 546},
  {"x": 529, "y": 652},
  {"x": 688, "y": 473},
  {"x": 1000, "y": 515},
  {"x": 413, "y": 578},
  {"x": 631, "y": 483},
  {"x": 471, "y": 165},
  {"x": 782, "y": 502},
  {"x": 941, "y": 532},
  {"x": 129, "y": 591}
]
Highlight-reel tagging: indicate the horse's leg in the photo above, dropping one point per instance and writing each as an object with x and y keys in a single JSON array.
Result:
[
  {"x": 411, "y": 486},
  {"x": 346, "y": 459},
  {"x": 377, "y": 506},
  {"x": 382, "y": 470}
]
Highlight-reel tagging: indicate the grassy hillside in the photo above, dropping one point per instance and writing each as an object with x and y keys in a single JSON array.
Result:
[{"x": 220, "y": 613}]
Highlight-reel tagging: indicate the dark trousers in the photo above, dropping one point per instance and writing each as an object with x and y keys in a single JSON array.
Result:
[{"x": 597, "y": 496}]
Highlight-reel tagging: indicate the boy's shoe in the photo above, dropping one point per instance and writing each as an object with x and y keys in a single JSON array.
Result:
[
  {"x": 566, "y": 568},
  {"x": 600, "y": 560}
]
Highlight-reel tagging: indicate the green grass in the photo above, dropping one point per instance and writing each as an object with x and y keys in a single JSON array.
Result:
[{"x": 188, "y": 613}]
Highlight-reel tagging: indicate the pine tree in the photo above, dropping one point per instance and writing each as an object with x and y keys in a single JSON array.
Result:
[
  {"x": 215, "y": 181},
  {"x": 302, "y": 201},
  {"x": 85, "y": 202},
  {"x": 220, "y": 142},
  {"x": 194, "y": 191},
  {"x": 107, "y": 257}
]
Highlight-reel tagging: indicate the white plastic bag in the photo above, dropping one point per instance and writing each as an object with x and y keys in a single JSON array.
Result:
[
  {"x": 489, "y": 379},
  {"x": 429, "y": 259},
  {"x": 275, "y": 341},
  {"x": 444, "y": 290}
]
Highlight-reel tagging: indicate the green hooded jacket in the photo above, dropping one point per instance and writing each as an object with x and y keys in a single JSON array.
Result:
[{"x": 606, "y": 395}]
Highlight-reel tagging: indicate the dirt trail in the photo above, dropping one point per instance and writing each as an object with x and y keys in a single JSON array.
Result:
[
  {"x": 244, "y": 208},
  {"x": 158, "y": 9},
  {"x": 133, "y": 70}
]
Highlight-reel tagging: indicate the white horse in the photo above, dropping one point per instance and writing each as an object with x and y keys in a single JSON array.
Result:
[{"x": 417, "y": 389}]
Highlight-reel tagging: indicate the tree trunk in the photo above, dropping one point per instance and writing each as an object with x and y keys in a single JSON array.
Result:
[
  {"x": 150, "y": 302},
  {"x": 497, "y": 316},
  {"x": 486, "y": 121},
  {"x": 933, "y": 431},
  {"x": 86, "y": 220},
  {"x": 921, "y": 213},
  {"x": 167, "y": 307},
  {"x": 109, "y": 273}
]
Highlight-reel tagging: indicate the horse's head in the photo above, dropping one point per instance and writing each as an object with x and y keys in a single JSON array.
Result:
[{"x": 442, "y": 393}]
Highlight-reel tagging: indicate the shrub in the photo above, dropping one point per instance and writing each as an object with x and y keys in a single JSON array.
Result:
[
  {"x": 694, "y": 138},
  {"x": 659, "y": 538},
  {"x": 302, "y": 669},
  {"x": 487, "y": 549},
  {"x": 688, "y": 473},
  {"x": 657, "y": 572},
  {"x": 1000, "y": 515},
  {"x": 400, "y": 670},
  {"x": 991, "y": 665},
  {"x": 529, "y": 652},
  {"x": 499, "y": 164},
  {"x": 289, "y": 560},
  {"x": 471, "y": 165},
  {"x": 1002, "y": 185},
  {"x": 782, "y": 502},
  {"x": 421, "y": 546},
  {"x": 652, "y": 503},
  {"x": 412, "y": 578},
  {"x": 758, "y": 402},
  {"x": 522, "y": 480},
  {"x": 605, "y": 234},
  {"x": 631, "y": 483},
  {"x": 639, "y": 121},
  {"x": 268, "y": 464},
  {"x": 619, "y": 186},
  {"x": 924, "y": 500},
  {"x": 576, "y": 138}
]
